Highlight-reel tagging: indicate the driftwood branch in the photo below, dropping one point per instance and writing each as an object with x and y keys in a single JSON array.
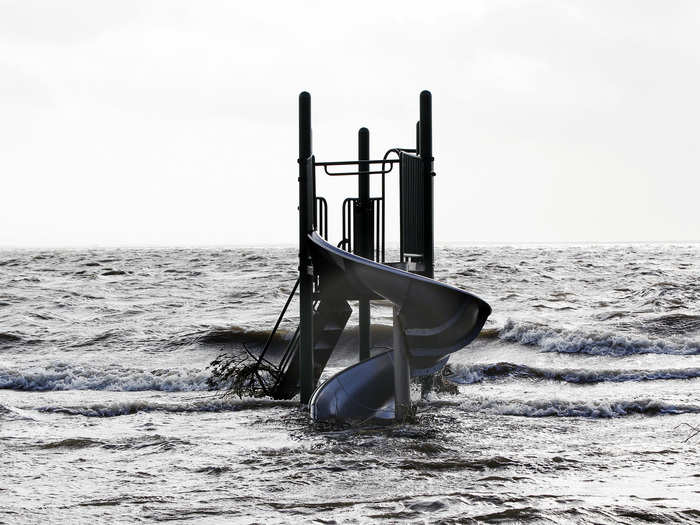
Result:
[{"x": 242, "y": 375}]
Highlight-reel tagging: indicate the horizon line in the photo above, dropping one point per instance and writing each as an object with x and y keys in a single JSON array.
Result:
[{"x": 284, "y": 245}]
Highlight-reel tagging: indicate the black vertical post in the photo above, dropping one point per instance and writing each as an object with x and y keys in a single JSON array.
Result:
[
  {"x": 418, "y": 138},
  {"x": 306, "y": 275},
  {"x": 426, "y": 155},
  {"x": 365, "y": 248},
  {"x": 402, "y": 371},
  {"x": 365, "y": 229}
]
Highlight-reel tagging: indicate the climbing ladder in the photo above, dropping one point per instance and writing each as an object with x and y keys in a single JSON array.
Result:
[{"x": 329, "y": 320}]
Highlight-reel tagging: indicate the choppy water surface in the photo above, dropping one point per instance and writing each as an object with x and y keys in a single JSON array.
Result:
[{"x": 573, "y": 406}]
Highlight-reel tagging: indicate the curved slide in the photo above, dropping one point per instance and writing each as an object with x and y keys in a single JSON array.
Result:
[{"x": 435, "y": 320}]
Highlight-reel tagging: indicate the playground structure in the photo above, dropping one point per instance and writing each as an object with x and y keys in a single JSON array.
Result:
[{"x": 430, "y": 319}]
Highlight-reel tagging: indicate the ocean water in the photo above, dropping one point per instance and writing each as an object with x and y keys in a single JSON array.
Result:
[{"x": 575, "y": 405}]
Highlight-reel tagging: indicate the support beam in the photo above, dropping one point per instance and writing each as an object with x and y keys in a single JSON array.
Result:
[
  {"x": 426, "y": 155},
  {"x": 402, "y": 372},
  {"x": 364, "y": 229},
  {"x": 306, "y": 275}
]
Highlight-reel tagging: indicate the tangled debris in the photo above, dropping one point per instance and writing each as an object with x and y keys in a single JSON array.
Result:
[
  {"x": 243, "y": 375},
  {"x": 438, "y": 383}
]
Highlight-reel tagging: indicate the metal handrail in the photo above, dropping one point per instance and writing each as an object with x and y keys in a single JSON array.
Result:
[
  {"x": 288, "y": 352},
  {"x": 271, "y": 336},
  {"x": 346, "y": 212},
  {"x": 288, "y": 355},
  {"x": 322, "y": 217},
  {"x": 378, "y": 205},
  {"x": 383, "y": 171}
]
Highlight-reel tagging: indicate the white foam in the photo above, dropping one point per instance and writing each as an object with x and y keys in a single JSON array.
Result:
[
  {"x": 63, "y": 376},
  {"x": 564, "y": 408},
  {"x": 467, "y": 375},
  {"x": 14, "y": 413},
  {"x": 592, "y": 343},
  {"x": 210, "y": 404}
]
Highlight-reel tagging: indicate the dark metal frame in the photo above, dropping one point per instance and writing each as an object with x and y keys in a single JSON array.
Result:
[
  {"x": 307, "y": 277},
  {"x": 313, "y": 215}
]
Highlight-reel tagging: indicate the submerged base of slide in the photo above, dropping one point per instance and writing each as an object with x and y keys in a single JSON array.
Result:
[
  {"x": 358, "y": 393},
  {"x": 431, "y": 321},
  {"x": 361, "y": 392}
]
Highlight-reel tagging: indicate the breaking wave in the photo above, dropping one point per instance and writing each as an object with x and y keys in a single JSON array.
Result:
[
  {"x": 466, "y": 375},
  {"x": 63, "y": 376},
  {"x": 234, "y": 335},
  {"x": 598, "y": 409},
  {"x": 563, "y": 408},
  {"x": 232, "y": 338},
  {"x": 13, "y": 413},
  {"x": 200, "y": 405},
  {"x": 592, "y": 343}
]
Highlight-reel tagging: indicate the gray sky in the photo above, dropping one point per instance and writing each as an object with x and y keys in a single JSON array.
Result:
[{"x": 174, "y": 123}]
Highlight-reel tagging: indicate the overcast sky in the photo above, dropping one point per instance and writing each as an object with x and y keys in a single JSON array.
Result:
[{"x": 174, "y": 123}]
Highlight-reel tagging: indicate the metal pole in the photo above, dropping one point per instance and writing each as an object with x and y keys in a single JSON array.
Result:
[
  {"x": 365, "y": 247},
  {"x": 306, "y": 275},
  {"x": 365, "y": 230},
  {"x": 426, "y": 155},
  {"x": 402, "y": 373},
  {"x": 418, "y": 138}
]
